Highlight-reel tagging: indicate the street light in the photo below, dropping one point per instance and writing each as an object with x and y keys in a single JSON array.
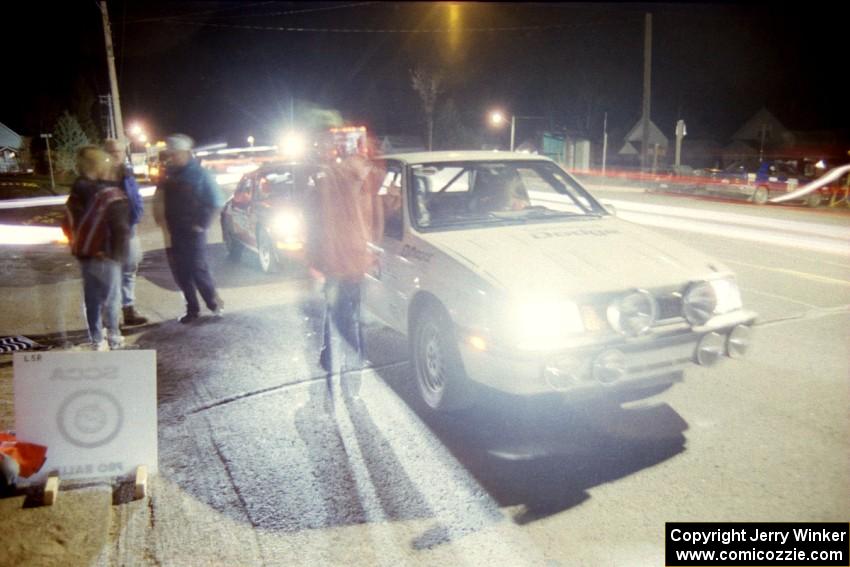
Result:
[
  {"x": 251, "y": 141},
  {"x": 497, "y": 119}
]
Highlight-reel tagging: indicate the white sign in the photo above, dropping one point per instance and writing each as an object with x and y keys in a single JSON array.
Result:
[{"x": 95, "y": 411}]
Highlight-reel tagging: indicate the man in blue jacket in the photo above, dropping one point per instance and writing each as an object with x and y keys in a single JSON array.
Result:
[
  {"x": 132, "y": 259},
  {"x": 191, "y": 199}
]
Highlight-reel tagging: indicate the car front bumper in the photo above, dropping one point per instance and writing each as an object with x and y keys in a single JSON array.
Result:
[{"x": 612, "y": 365}]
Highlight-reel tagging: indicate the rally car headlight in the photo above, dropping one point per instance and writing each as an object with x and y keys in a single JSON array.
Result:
[
  {"x": 541, "y": 325},
  {"x": 633, "y": 314},
  {"x": 704, "y": 300},
  {"x": 286, "y": 225}
]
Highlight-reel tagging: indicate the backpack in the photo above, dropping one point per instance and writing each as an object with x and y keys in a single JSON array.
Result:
[{"x": 91, "y": 233}]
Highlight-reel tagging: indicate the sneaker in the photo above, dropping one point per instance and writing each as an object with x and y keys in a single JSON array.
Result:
[
  {"x": 188, "y": 318},
  {"x": 101, "y": 346},
  {"x": 116, "y": 342},
  {"x": 218, "y": 310}
]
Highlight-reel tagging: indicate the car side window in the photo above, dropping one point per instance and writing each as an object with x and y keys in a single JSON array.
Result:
[
  {"x": 279, "y": 184},
  {"x": 389, "y": 195},
  {"x": 242, "y": 195}
]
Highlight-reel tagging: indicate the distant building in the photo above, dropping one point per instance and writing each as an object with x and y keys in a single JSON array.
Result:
[
  {"x": 656, "y": 149},
  {"x": 10, "y": 148},
  {"x": 762, "y": 134}
]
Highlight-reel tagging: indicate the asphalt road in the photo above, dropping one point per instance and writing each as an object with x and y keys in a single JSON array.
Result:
[{"x": 257, "y": 466}]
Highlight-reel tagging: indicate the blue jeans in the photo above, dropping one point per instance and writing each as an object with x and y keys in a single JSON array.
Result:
[
  {"x": 129, "y": 269},
  {"x": 342, "y": 338},
  {"x": 191, "y": 270},
  {"x": 102, "y": 296}
]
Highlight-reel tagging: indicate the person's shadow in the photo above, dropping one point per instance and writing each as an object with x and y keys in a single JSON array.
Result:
[{"x": 227, "y": 272}]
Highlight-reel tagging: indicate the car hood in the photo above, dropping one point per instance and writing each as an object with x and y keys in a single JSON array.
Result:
[{"x": 578, "y": 257}]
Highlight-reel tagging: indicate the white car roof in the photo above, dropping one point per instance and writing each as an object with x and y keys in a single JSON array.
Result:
[{"x": 429, "y": 157}]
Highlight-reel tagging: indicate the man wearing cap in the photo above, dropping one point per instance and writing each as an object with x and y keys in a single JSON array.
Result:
[
  {"x": 191, "y": 198},
  {"x": 124, "y": 175}
]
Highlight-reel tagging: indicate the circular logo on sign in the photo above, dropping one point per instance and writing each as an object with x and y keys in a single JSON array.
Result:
[{"x": 90, "y": 418}]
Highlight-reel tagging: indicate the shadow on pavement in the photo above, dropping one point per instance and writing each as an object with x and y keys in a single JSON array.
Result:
[
  {"x": 227, "y": 272},
  {"x": 32, "y": 265},
  {"x": 544, "y": 454}
]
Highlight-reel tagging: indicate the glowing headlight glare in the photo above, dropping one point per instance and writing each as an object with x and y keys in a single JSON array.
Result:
[
  {"x": 727, "y": 295},
  {"x": 286, "y": 224},
  {"x": 293, "y": 144},
  {"x": 542, "y": 325}
]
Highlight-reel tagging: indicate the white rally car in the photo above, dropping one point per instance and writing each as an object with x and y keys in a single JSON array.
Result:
[{"x": 504, "y": 271}]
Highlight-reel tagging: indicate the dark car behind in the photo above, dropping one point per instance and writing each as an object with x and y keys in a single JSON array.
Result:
[{"x": 265, "y": 214}]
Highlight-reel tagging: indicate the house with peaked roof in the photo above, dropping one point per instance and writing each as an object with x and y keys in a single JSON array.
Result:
[
  {"x": 10, "y": 147},
  {"x": 657, "y": 143},
  {"x": 762, "y": 132}
]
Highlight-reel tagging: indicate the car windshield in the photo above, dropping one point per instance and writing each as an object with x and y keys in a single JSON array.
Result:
[{"x": 492, "y": 192}]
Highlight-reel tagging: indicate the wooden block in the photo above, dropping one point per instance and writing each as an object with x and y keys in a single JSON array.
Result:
[
  {"x": 51, "y": 490},
  {"x": 141, "y": 481}
]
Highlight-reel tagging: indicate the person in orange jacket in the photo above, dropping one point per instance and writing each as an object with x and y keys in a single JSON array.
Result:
[{"x": 343, "y": 216}]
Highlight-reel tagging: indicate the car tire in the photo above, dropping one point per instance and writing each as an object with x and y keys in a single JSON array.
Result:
[
  {"x": 813, "y": 199},
  {"x": 760, "y": 195},
  {"x": 266, "y": 253},
  {"x": 234, "y": 248},
  {"x": 440, "y": 377}
]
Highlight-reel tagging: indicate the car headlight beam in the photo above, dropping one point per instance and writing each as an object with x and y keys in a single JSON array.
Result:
[
  {"x": 286, "y": 225},
  {"x": 542, "y": 325}
]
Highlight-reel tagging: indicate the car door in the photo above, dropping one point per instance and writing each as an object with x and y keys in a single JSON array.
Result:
[
  {"x": 387, "y": 281},
  {"x": 240, "y": 209}
]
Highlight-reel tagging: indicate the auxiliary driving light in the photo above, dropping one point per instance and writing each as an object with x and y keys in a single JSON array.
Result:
[
  {"x": 699, "y": 303},
  {"x": 710, "y": 348},
  {"x": 609, "y": 367},
  {"x": 738, "y": 342}
]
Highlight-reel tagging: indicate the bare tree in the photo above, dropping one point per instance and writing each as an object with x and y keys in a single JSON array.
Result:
[{"x": 428, "y": 83}]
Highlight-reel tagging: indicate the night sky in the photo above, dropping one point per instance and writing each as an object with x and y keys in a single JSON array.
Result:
[{"x": 209, "y": 69}]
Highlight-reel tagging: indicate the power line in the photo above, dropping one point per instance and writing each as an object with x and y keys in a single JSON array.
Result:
[
  {"x": 303, "y": 11},
  {"x": 261, "y": 15},
  {"x": 372, "y": 30},
  {"x": 239, "y": 6}
]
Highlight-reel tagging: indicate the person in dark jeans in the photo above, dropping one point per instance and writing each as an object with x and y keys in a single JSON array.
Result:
[{"x": 191, "y": 199}]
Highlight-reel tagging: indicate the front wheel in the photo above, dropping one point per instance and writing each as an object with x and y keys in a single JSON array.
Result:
[
  {"x": 760, "y": 195},
  {"x": 267, "y": 253},
  {"x": 440, "y": 376},
  {"x": 813, "y": 200}
]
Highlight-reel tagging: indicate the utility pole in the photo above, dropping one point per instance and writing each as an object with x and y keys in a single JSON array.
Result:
[
  {"x": 113, "y": 78},
  {"x": 647, "y": 79},
  {"x": 604, "y": 142},
  {"x": 49, "y": 161},
  {"x": 681, "y": 132}
]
